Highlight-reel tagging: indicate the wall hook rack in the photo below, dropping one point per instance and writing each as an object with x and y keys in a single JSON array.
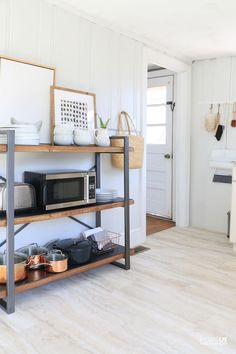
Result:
[{"x": 171, "y": 104}]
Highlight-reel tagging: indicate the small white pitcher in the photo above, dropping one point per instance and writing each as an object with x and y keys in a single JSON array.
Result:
[{"x": 102, "y": 137}]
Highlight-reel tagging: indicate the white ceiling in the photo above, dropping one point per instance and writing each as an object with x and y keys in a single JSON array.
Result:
[{"x": 187, "y": 29}]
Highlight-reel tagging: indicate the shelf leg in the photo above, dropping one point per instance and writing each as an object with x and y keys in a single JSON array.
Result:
[
  {"x": 126, "y": 202},
  {"x": 9, "y": 303},
  {"x": 126, "y": 264},
  {"x": 98, "y": 184}
]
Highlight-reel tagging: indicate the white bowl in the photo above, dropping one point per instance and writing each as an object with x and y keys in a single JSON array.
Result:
[
  {"x": 105, "y": 192},
  {"x": 21, "y": 128},
  {"x": 83, "y": 137},
  {"x": 26, "y": 135},
  {"x": 63, "y": 139},
  {"x": 64, "y": 129}
]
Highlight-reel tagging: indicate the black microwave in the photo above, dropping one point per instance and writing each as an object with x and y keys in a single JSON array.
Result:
[{"x": 62, "y": 189}]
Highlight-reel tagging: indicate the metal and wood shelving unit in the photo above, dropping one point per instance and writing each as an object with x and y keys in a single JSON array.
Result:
[{"x": 38, "y": 278}]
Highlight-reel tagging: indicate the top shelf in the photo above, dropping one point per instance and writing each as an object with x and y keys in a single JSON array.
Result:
[{"x": 54, "y": 148}]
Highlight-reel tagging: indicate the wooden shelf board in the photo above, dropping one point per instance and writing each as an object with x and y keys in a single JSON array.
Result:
[
  {"x": 49, "y": 215},
  {"x": 37, "y": 278},
  {"x": 54, "y": 148}
]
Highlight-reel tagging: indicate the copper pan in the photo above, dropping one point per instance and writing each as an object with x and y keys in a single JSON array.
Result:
[
  {"x": 35, "y": 254},
  {"x": 20, "y": 264},
  {"x": 55, "y": 262}
]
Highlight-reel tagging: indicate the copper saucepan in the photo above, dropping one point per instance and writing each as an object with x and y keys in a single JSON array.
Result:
[
  {"x": 36, "y": 255},
  {"x": 55, "y": 262},
  {"x": 20, "y": 264}
]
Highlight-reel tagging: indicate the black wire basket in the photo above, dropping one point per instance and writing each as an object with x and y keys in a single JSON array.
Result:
[{"x": 105, "y": 246}]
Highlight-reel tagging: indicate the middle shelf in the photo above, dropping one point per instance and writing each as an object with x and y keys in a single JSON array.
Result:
[{"x": 50, "y": 215}]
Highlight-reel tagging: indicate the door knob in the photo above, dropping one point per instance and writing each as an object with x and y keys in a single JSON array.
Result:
[{"x": 167, "y": 156}]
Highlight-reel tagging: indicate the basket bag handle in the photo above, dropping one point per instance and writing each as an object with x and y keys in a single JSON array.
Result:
[{"x": 129, "y": 123}]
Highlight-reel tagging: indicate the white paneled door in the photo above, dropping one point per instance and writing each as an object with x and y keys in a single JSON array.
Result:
[{"x": 159, "y": 146}]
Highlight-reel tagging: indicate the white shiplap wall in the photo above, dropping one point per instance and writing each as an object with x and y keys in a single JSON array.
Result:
[
  {"x": 212, "y": 81},
  {"x": 86, "y": 57}
]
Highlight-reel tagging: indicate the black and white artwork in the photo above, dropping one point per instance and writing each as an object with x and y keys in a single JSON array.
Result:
[
  {"x": 73, "y": 107},
  {"x": 74, "y": 112}
]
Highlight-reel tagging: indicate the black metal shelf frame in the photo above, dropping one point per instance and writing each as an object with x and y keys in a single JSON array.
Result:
[{"x": 8, "y": 304}]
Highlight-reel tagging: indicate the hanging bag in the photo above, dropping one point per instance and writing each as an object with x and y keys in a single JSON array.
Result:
[
  {"x": 136, "y": 141},
  {"x": 211, "y": 120}
]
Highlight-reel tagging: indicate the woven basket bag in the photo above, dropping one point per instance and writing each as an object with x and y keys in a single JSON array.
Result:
[{"x": 136, "y": 141}]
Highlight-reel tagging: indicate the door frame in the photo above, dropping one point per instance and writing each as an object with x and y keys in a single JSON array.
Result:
[
  {"x": 163, "y": 80},
  {"x": 181, "y": 134}
]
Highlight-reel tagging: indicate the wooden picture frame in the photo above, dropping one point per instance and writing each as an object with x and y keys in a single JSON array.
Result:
[
  {"x": 74, "y": 101},
  {"x": 33, "y": 95}
]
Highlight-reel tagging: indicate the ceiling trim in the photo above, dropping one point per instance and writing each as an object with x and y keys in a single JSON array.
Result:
[
  {"x": 166, "y": 61},
  {"x": 152, "y": 45}
]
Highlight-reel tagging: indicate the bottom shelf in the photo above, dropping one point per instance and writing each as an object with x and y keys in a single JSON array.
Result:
[{"x": 37, "y": 278}]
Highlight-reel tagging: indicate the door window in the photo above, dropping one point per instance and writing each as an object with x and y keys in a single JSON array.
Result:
[{"x": 156, "y": 115}]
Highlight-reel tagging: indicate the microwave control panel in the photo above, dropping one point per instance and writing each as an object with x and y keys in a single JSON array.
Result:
[{"x": 92, "y": 187}]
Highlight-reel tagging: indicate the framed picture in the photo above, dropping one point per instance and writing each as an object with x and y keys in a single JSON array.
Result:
[
  {"x": 25, "y": 93},
  {"x": 75, "y": 107}
]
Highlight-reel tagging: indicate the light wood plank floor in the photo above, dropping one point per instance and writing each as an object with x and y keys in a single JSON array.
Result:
[{"x": 179, "y": 297}]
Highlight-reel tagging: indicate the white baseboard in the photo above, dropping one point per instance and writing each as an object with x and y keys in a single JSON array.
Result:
[{"x": 137, "y": 237}]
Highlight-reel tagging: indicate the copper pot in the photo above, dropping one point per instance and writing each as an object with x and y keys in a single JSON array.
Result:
[
  {"x": 20, "y": 264},
  {"x": 56, "y": 262},
  {"x": 36, "y": 255}
]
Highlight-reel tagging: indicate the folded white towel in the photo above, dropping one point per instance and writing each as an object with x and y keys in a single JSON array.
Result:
[
  {"x": 90, "y": 232},
  {"x": 100, "y": 236}
]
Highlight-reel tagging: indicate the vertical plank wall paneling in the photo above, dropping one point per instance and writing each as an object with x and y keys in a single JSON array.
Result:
[
  {"x": 25, "y": 19},
  {"x": 4, "y": 21},
  {"x": 46, "y": 30},
  {"x": 87, "y": 57},
  {"x": 66, "y": 50},
  {"x": 101, "y": 68},
  {"x": 212, "y": 81},
  {"x": 232, "y": 136}
]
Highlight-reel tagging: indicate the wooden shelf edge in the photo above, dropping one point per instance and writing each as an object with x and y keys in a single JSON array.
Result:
[
  {"x": 47, "y": 278},
  {"x": 25, "y": 219},
  {"x": 54, "y": 148}
]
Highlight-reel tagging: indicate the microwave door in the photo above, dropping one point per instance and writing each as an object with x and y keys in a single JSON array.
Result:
[{"x": 64, "y": 193}]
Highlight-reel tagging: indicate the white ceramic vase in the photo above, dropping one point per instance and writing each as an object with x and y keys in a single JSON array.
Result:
[
  {"x": 102, "y": 137},
  {"x": 63, "y": 139},
  {"x": 63, "y": 134},
  {"x": 64, "y": 129},
  {"x": 83, "y": 137}
]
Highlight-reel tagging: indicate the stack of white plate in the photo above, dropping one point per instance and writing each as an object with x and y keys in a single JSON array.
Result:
[
  {"x": 105, "y": 195},
  {"x": 25, "y": 134}
]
